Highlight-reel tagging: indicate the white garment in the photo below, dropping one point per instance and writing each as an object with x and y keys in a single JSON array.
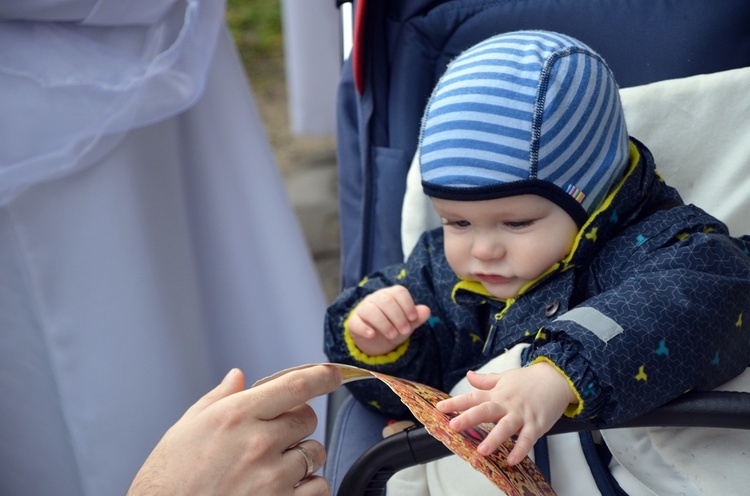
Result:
[
  {"x": 72, "y": 89},
  {"x": 131, "y": 283},
  {"x": 312, "y": 56}
]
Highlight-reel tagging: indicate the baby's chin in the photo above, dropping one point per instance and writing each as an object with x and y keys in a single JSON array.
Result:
[{"x": 504, "y": 291}]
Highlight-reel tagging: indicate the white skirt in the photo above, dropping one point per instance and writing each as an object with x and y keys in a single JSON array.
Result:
[{"x": 128, "y": 289}]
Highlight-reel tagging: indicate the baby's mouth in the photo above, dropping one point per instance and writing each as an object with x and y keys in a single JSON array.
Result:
[{"x": 493, "y": 278}]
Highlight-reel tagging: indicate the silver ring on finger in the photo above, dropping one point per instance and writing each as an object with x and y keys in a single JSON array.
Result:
[{"x": 309, "y": 462}]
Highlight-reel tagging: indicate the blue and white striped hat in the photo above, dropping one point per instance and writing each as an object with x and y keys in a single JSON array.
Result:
[{"x": 528, "y": 112}]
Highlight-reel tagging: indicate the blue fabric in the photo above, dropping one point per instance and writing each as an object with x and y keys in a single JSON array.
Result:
[
  {"x": 356, "y": 430},
  {"x": 598, "y": 457},
  {"x": 667, "y": 273}
]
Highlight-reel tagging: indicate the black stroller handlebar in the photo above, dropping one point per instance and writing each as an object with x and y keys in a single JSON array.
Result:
[{"x": 369, "y": 475}]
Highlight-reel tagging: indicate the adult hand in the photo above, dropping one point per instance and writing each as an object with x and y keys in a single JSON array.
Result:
[
  {"x": 385, "y": 319},
  {"x": 236, "y": 441},
  {"x": 525, "y": 402}
]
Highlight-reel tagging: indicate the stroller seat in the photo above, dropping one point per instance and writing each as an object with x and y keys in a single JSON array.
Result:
[{"x": 403, "y": 48}]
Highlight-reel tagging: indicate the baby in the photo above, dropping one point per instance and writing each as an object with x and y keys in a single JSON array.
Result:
[{"x": 559, "y": 234}]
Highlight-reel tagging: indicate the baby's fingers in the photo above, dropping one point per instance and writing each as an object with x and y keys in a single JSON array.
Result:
[
  {"x": 358, "y": 328},
  {"x": 382, "y": 315},
  {"x": 527, "y": 436},
  {"x": 505, "y": 428},
  {"x": 523, "y": 445},
  {"x": 389, "y": 311},
  {"x": 401, "y": 297},
  {"x": 404, "y": 313},
  {"x": 483, "y": 412},
  {"x": 461, "y": 403},
  {"x": 482, "y": 381}
]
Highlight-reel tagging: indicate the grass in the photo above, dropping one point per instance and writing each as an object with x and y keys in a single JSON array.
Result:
[{"x": 256, "y": 29}]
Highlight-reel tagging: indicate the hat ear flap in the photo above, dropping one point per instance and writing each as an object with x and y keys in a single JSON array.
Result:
[{"x": 583, "y": 143}]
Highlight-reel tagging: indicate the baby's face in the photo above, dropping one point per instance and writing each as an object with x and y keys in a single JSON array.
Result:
[{"x": 506, "y": 242}]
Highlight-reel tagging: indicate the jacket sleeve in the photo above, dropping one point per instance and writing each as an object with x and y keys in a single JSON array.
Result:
[
  {"x": 409, "y": 360},
  {"x": 670, "y": 315}
]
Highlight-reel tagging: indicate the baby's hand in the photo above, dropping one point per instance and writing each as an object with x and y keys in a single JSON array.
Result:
[
  {"x": 385, "y": 319},
  {"x": 526, "y": 402}
]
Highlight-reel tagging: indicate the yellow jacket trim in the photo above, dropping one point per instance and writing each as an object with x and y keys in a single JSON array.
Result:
[
  {"x": 634, "y": 158},
  {"x": 472, "y": 286},
  {"x": 363, "y": 357},
  {"x": 573, "y": 409}
]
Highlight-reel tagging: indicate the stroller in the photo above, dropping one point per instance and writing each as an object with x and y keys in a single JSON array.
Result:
[{"x": 400, "y": 50}]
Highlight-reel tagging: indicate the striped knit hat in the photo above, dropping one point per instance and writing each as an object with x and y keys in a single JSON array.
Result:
[{"x": 529, "y": 112}]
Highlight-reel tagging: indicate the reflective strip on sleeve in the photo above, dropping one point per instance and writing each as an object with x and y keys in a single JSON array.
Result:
[{"x": 592, "y": 319}]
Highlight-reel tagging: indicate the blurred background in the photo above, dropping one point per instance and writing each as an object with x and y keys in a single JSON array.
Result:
[{"x": 307, "y": 162}]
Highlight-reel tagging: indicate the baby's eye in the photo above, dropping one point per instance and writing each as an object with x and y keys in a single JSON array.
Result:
[
  {"x": 456, "y": 223},
  {"x": 519, "y": 224}
]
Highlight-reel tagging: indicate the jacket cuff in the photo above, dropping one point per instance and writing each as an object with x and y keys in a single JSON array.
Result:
[
  {"x": 580, "y": 375},
  {"x": 574, "y": 409}
]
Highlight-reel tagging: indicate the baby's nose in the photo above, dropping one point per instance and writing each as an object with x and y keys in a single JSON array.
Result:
[{"x": 487, "y": 247}]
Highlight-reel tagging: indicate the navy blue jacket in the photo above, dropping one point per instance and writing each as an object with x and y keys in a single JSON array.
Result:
[{"x": 648, "y": 305}]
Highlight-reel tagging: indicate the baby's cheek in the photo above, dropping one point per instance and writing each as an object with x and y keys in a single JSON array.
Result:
[
  {"x": 533, "y": 263},
  {"x": 456, "y": 260}
]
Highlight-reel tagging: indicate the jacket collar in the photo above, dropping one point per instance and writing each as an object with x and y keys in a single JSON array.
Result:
[{"x": 622, "y": 205}]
